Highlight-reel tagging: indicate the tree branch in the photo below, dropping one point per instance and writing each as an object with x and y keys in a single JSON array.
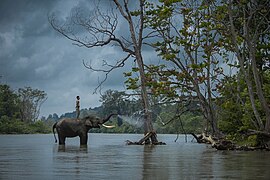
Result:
[{"x": 120, "y": 63}]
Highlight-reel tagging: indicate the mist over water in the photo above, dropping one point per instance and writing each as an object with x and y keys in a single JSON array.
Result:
[
  {"x": 137, "y": 119},
  {"x": 132, "y": 120}
]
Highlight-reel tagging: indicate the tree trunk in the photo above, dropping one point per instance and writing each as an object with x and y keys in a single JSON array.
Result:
[
  {"x": 137, "y": 42},
  {"x": 148, "y": 126},
  {"x": 207, "y": 111}
]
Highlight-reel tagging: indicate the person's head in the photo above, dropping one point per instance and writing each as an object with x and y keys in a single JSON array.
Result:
[{"x": 78, "y": 97}]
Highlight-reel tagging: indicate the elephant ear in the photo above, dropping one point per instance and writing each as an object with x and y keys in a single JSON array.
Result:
[{"x": 88, "y": 122}]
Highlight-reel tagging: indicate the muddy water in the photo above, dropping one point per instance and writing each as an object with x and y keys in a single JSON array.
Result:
[{"x": 107, "y": 157}]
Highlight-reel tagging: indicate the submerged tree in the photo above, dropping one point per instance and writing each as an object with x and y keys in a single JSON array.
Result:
[{"x": 99, "y": 29}]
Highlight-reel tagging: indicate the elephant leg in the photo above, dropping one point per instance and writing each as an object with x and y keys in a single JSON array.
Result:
[
  {"x": 62, "y": 140},
  {"x": 83, "y": 139}
]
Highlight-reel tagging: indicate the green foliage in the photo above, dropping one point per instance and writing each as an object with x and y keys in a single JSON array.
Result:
[
  {"x": 191, "y": 43},
  {"x": 189, "y": 123},
  {"x": 15, "y": 126},
  {"x": 236, "y": 115},
  {"x": 192, "y": 123},
  {"x": 11, "y": 110},
  {"x": 252, "y": 140},
  {"x": 12, "y": 126},
  {"x": 118, "y": 102},
  {"x": 9, "y": 102},
  {"x": 40, "y": 127}
]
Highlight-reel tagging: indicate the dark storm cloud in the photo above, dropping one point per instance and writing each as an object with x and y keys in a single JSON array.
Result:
[
  {"x": 26, "y": 16},
  {"x": 23, "y": 24},
  {"x": 33, "y": 54}
]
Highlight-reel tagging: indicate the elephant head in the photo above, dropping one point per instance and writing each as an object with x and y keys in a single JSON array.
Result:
[{"x": 95, "y": 122}]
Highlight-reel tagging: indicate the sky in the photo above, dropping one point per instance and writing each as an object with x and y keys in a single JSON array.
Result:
[{"x": 33, "y": 54}]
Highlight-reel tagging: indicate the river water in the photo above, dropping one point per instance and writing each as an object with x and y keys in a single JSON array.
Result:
[{"x": 107, "y": 157}]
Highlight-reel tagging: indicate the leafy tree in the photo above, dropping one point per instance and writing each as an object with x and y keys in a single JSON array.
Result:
[
  {"x": 197, "y": 37},
  {"x": 30, "y": 103},
  {"x": 190, "y": 45},
  {"x": 119, "y": 102},
  {"x": 10, "y": 111},
  {"x": 248, "y": 39},
  {"x": 237, "y": 116},
  {"x": 113, "y": 101},
  {"x": 235, "y": 104},
  {"x": 8, "y": 102}
]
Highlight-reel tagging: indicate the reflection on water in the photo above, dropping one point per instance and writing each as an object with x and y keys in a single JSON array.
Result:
[{"x": 107, "y": 157}]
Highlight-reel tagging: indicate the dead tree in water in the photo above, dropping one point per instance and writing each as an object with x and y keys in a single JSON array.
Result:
[
  {"x": 223, "y": 144},
  {"x": 101, "y": 31}
]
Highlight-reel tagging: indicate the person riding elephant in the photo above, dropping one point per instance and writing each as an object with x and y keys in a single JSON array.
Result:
[
  {"x": 72, "y": 128},
  {"x": 78, "y": 107}
]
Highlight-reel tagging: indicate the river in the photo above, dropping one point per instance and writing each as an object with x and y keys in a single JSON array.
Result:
[{"x": 107, "y": 157}]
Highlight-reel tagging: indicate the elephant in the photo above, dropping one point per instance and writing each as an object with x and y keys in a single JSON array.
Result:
[{"x": 77, "y": 127}]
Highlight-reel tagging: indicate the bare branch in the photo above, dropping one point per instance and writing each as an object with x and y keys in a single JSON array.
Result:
[
  {"x": 119, "y": 63},
  {"x": 99, "y": 26}
]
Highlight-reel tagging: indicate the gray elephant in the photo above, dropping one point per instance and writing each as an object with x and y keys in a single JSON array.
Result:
[{"x": 74, "y": 127}]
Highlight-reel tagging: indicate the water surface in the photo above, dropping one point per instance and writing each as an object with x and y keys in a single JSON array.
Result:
[{"x": 107, "y": 157}]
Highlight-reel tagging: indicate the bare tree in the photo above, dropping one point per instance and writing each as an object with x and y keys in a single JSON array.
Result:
[{"x": 100, "y": 28}]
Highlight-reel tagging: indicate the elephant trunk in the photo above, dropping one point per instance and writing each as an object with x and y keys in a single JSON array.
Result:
[{"x": 108, "y": 118}]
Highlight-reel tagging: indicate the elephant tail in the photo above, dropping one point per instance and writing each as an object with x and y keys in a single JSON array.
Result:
[{"x": 54, "y": 127}]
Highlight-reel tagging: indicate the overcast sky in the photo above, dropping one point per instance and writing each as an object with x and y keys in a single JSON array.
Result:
[{"x": 33, "y": 54}]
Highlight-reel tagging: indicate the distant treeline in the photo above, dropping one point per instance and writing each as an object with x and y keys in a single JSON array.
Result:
[
  {"x": 163, "y": 115},
  {"x": 19, "y": 110}
]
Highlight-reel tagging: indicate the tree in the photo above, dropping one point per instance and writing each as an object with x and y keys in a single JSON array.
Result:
[
  {"x": 8, "y": 102},
  {"x": 11, "y": 112},
  {"x": 120, "y": 102},
  {"x": 101, "y": 31},
  {"x": 193, "y": 54},
  {"x": 248, "y": 38},
  {"x": 30, "y": 103},
  {"x": 253, "y": 26}
]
